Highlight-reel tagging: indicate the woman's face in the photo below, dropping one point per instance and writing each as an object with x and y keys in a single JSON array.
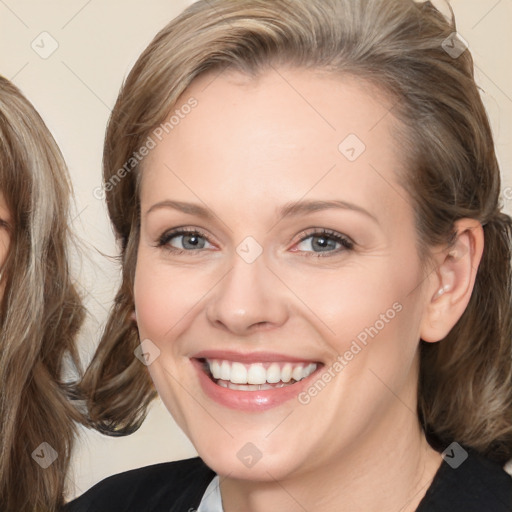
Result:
[
  {"x": 5, "y": 219},
  {"x": 277, "y": 248}
]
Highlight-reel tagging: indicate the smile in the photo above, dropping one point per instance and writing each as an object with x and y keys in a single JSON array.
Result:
[
  {"x": 252, "y": 382},
  {"x": 257, "y": 376}
]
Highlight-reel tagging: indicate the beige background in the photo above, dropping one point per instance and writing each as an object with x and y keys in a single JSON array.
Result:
[{"x": 74, "y": 89}]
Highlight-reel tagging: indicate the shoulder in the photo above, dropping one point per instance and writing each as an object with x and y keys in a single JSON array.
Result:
[
  {"x": 475, "y": 485},
  {"x": 169, "y": 486}
]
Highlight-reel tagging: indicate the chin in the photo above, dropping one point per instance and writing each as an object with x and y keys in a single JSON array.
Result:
[{"x": 250, "y": 463}]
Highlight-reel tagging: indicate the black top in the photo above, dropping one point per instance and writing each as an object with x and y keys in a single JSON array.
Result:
[{"x": 477, "y": 485}]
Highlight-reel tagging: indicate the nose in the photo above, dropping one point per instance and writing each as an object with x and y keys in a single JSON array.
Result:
[{"x": 248, "y": 299}]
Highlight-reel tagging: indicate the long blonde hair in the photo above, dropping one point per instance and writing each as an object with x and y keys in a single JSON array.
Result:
[
  {"x": 465, "y": 388},
  {"x": 40, "y": 312}
]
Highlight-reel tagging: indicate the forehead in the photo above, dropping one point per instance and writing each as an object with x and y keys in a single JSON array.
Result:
[{"x": 287, "y": 132}]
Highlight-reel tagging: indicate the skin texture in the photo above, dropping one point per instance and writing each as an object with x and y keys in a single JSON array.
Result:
[
  {"x": 248, "y": 149},
  {"x": 5, "y": 219}
]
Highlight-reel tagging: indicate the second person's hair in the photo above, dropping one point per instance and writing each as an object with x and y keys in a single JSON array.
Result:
[{"x": 40, "y": 313}]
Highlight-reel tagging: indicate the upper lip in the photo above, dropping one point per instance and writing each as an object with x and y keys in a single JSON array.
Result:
[{"x": 250, "y": 357}]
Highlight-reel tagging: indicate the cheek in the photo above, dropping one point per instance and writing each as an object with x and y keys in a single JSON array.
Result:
[
  {"x": 358, "y": 297},
  {"x": 369, "y": 317},
  {"x": 166, "y": 296},
  {"x": 157, "y": 303}
]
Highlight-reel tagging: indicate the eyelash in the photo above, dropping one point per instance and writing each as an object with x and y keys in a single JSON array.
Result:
[{"x": 344, "y": 241}]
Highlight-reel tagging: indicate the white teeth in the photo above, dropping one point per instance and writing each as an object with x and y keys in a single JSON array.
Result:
[
  {"x": 247, "y": 387},
  {"x": 225, "y": 370},
  {"x": 297, "y": 373},
  {"x": 273, "y": 373},
  {"x": 215, "y": 369},
  {"x": 238, "y": 373},
  {"x": 286, "y": 373},
  {"x": 257, "y": 376},
  {"x": 310, "y": 368}
]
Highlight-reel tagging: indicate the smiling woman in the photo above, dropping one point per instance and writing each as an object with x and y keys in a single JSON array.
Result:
[
  {"x": 40, "y": 311},
  {"x": 324, "y": 224}
]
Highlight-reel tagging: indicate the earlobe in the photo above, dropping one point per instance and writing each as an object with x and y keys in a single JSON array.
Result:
[{"x": 452, "y": 282}]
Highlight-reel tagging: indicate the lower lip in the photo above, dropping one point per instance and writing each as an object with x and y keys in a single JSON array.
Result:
[{"x": 249, "y": 400}]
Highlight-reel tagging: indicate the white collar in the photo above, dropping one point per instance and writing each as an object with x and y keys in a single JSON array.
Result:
[{"x": 212, "y": 501}]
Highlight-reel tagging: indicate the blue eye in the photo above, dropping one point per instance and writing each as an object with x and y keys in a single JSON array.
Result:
[
  {"x": 315, "y": 243},
  {"x": 183, "y": 240},
  {"x": 324, "y": 241}
]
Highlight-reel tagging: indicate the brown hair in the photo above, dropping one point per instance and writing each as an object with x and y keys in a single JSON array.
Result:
[
  {"x": 40, "y": 312},
  {"x": 465, "y": 389}
]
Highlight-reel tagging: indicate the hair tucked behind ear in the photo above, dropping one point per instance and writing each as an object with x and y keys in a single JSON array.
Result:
[
  {"x": 465, "y": 390},
  {"x": 40, "y": 312}
]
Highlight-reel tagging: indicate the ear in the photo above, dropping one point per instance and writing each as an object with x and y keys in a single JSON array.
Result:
[
  {"x": 451, "y": 283},
  {"x": 133, "y": 316}
]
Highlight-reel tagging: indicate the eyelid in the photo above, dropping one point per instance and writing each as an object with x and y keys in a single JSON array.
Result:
[
  {"x": 321, "y": 231},
  {"x": 182, "y": 229},
  {"x": 346, "y": 242},
  {"x": 164, "y": 239}
]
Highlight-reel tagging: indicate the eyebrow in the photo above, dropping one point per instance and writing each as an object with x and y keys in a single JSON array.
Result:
[
  {"x": 289, "y": 209},
  {"x": 302, "y": 207},
  {"x": 191, "y": 208}
]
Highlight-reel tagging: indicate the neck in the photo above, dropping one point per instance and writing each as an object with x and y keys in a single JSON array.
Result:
[{"x": 386, "y": 470}]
